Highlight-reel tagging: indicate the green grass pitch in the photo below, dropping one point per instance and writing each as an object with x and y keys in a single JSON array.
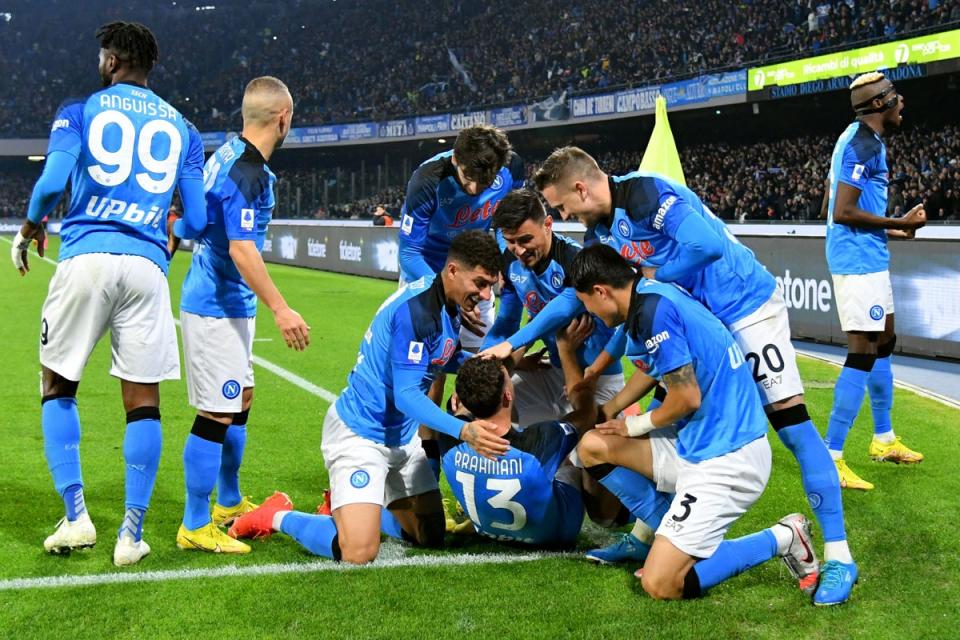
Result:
[{"x": 904, "y": 533}]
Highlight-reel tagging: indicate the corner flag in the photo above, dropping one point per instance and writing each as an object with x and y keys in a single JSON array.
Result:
[{"x": 661, "y": 155}]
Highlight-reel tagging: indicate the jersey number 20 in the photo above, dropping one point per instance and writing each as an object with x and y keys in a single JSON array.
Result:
[
  {"x": 506, "y": 488},
  {"x": 122, "y": 156}
]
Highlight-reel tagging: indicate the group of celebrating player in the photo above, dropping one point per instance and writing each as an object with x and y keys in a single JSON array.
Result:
[{"x": 530, "y": 441}]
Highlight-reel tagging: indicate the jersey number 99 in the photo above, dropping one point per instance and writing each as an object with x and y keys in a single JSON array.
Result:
[{"x": 120, "y": 160}]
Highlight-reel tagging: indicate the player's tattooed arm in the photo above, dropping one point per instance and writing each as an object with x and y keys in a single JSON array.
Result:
[{"x": 683, "y": 396}]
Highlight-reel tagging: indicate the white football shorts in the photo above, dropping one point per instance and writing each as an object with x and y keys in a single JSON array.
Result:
[
  {"x": 364, "y": 471},
  {"x": 127, "y": 294},
  {"x": 218, "y": 356},
  {"x": 863, "y": 301}
]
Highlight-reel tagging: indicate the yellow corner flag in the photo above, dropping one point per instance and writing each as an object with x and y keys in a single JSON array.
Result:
[{"x": 661, "y": 155}]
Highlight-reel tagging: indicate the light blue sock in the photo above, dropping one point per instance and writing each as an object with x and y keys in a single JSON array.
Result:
[
  {"x": 637, "y": 492},
  {"x": 141, "y": 453},
  {"x": 132, "y": 523},
  {"x": 201, "y": 460},
  {"x": 880, "y": 386},
  {"x": 848, "y": 395},
  {"x": 819, "y": 476},
  {"x": 733, "y": 557},
  {"x": 61, "y": 444},
  {"x": 317, "y": 534},
  {"x": 389, "y": 525},
  {"x": 228, "y": 481}
]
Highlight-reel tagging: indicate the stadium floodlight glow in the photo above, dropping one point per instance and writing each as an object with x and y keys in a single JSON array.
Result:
[
  {"x": 442, "y": 141},
  {"x": 7, "y": 16},
  {"x": 36, "y": 158}
]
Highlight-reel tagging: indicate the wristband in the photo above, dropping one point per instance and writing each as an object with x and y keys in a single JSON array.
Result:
[{"x": 639, "y": 425}]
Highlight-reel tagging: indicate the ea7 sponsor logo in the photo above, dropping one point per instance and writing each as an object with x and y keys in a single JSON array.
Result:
[
  {"x": 653, "y": 343},
  {"x": 662, "y": 212}
]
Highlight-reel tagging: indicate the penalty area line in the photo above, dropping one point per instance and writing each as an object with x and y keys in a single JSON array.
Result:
[
  {"x": 275, "y": 369},
  {"x": 233, "y": 571}
]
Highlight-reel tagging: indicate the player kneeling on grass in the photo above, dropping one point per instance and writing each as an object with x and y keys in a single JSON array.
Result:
[
  {"x": 379, "y": 476},
  {"x": 532, "y": 494},
  {"x": 718, "y": 464},
  {"x": 217, "y": 313}
]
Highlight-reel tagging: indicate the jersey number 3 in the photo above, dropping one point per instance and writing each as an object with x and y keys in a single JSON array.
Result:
[
  {"x": 506, "y": 488},
  {"x": 120, "y": 160}
]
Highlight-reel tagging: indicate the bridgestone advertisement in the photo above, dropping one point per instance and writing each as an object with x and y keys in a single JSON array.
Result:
[{"x": 926, "y": 286}]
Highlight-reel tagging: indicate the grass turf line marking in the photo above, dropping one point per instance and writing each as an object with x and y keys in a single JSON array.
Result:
[
  {"x": 97, "y": 579},
  {"x": 275, "y": 369}
]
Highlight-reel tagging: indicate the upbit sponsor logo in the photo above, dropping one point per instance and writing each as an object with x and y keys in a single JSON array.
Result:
[
  {"x": 653, "y": 343},
  {"x": 809, "y": 293},
  {"x": 104, "y": 208},
  {"x": 350, "y": 252},
  {"x": 59, "y": 123},
  {"x": 316, "y": 249}
]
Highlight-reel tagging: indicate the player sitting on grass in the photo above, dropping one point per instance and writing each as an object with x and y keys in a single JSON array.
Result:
[
  {"x": 532, "y": 494},
  {"x": 379, "y": 476},
  {"x": 718, "y": 464}
]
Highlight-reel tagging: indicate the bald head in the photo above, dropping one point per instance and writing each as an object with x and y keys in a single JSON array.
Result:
[{"x": 264, "y": 99}]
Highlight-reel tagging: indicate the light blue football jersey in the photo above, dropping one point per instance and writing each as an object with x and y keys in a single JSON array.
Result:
[
  {"x": 415, "y": 330},
  {"x": 132, "y": 148},
  {"x": 517, "y": 496},
  {"x": 859, "y": 160},
  {"x": 647, "y": 210},
  {"x": 240, "y": 202},
  {"x": 667, "y": 329}
]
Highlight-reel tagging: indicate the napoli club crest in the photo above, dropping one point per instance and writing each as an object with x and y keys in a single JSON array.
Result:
[{"x": 623, "y": 228}]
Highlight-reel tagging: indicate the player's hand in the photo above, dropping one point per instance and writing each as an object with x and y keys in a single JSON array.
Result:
[
  {"x": 575, "y": 333},
  {"x": 915, "y": 218},
  {"x": 590, "y": 376},
  {"x": 500, "y": 351},
  {"x": 613, "y": 428},
  {"x": 28, "y": 233},
  {"x": 295, "y": 332},
  {"x": 534, "y": 361},
  {"x": 649, "y": 272},
  {"x": 481, "y": 435},
  {"x": 470, "y": 320}
]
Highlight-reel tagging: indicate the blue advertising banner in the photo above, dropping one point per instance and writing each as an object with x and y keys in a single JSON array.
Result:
[
  {"x": 643, "y": 99},
  {"x": 214, "y": 138},
  {"x": 397, "y": 128},
  {"x": 508, "y": 117},
  {"x": 705, "y": 88},
  {"x": 309, "y": 135},
  {"x": 468, "y": 119},
  {"x": 357, "y": 131},
  {"x": 432, "y": 124}
]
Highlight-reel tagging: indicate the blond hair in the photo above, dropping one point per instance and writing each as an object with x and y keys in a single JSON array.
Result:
[
  {"x": 865, "y": 79},
  {"x": 263, "y": 99},
  {"x": 563, "y": 163}
]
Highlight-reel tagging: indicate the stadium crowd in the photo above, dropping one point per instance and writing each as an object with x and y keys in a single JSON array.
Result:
[{"x": 357, "y": 67}]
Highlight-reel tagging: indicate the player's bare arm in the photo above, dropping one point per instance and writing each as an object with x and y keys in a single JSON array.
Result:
[
  {"x": 846, "y": 211},
  {"x": 581, "y": 396},
  {"x": 29, "y": 232},
  {"x": 683, "y": 398},
  {"x": 637, "y": 387},
  {"x": 249, "y": 262},
  {"x": 481, "y": 435}
]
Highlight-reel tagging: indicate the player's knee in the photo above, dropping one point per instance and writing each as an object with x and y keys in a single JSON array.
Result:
[
  {"x": 591, "y": 449},
  {"x": 56, "y": 386},
  {"x": 361, "y": 552},
  {"x": 662, "y": 586}
]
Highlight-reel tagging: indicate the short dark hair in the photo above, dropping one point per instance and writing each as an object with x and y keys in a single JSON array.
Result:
[
  {"x": 517, "y": 207},
  {"x": 600, "y": 264},
  {"x": 563, "y": 162},
  {"x": 476, "y": 248},
  {"x": 481, "y": 151},
  {"x": 132, "y": 42},
  {"x": 480, "y": 383}
]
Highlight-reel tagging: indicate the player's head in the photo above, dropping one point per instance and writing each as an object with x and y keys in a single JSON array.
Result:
[
  {"x": 479, "y": 153},
  {"x": 570, "y": 181},
  {"x": 601, "y": 276},
  {"x": 873, "y": 96},
  {"x": 127, "y": 50},
  {"x": 268, "y": 107},
  {"x": 484, "y": 387},
  {"x": 525, "y": 226},
  {"x": 472, "y": 269}
]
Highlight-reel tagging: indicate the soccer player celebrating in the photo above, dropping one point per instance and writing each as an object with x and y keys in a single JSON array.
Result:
[
  {"x": 379, "y": 476},
  {"x": 124, "y": 150},
  {"x": 859, "y": 262},
  {"x": 536, "y": 268},
  {"x": 718, "y": 464},
  {"x": 531, "y": 495},
  {"x": 450, "y": 193},
  {"x": 218, "y": 315},
  {"x": 665, "y": 230}
]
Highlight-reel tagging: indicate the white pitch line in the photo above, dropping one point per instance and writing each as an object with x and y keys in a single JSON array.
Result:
[
  {"x": 232, "y": 571},
  {"x": 276, "y": 369}
]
